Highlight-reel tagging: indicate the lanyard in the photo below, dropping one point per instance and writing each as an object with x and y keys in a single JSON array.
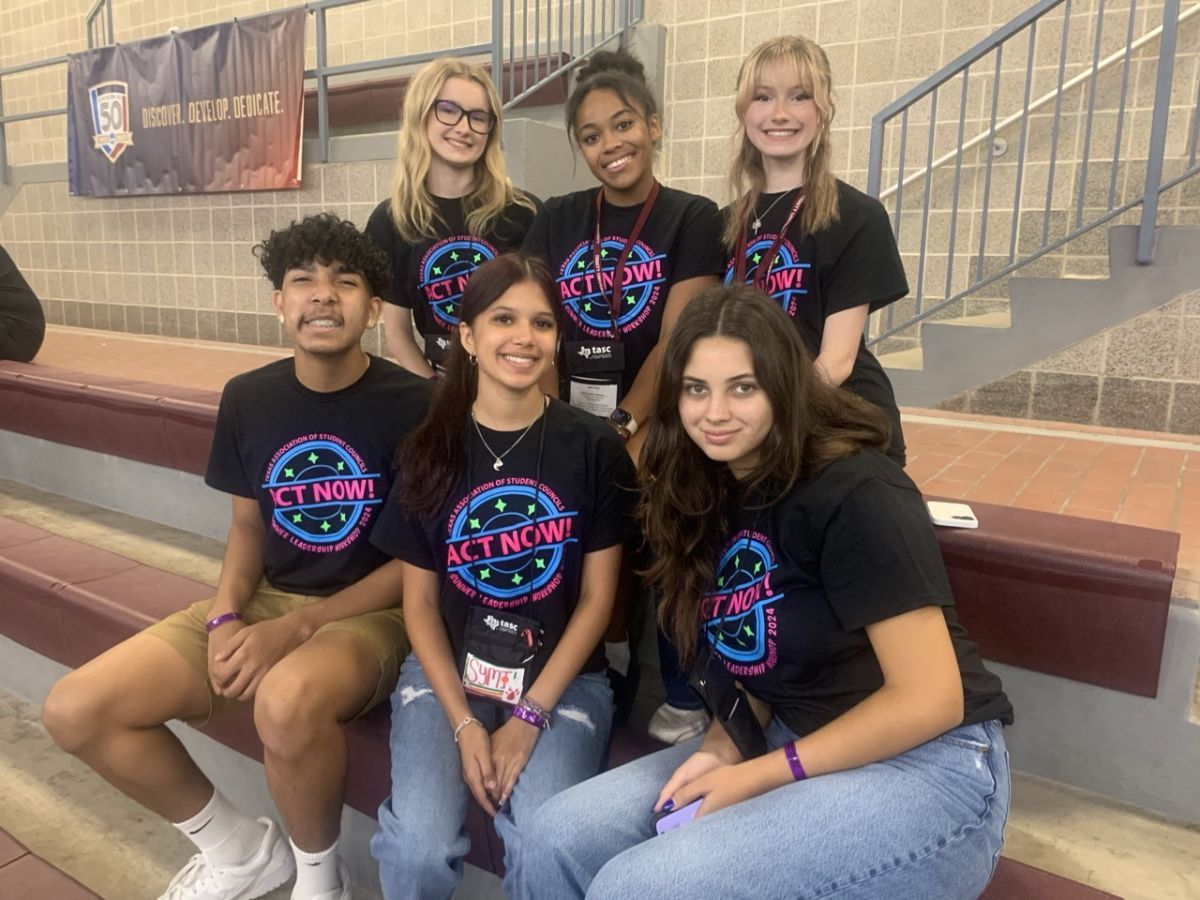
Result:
[
  {"x": 618, "y": 271},
  {"x": 760, "y": 281}
]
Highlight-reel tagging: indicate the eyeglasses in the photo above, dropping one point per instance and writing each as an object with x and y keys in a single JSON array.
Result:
[{"x": 450, "y": 113}]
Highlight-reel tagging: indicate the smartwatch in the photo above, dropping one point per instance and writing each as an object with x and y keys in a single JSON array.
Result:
[{"x": 624, "y": 422}]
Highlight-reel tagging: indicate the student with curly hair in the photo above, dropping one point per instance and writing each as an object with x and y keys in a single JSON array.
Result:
[
  {"x": 858, "y": 749},
  {"x": 452, "y": 207},
  {"x": 305, "y": 624}
]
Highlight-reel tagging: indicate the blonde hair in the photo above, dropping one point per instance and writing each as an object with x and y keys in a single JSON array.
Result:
[
  {"x": 413, "y": 209},
  {"x": 746, "y": 178}
]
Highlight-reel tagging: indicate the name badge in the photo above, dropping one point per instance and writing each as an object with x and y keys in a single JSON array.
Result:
[
  {"x": 592, "y": 358},
  {"x": 491, "y": 681},
  {"x": 596, "y": 397}
]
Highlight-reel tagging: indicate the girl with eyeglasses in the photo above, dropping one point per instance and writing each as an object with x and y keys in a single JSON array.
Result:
[
  {"x": 822, "y": 249},
  {"x": 510, "y": 517},
  {"x": 452, "y": 207}
]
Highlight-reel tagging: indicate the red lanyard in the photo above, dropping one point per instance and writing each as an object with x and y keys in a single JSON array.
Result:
[
  {"x": 618, "y": 271},
  {"x": 760, "y": 281}
]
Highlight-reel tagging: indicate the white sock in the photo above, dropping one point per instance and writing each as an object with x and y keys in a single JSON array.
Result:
[
  {"x": 316, "y": 873},
  {"x": 224, "y": 835}
]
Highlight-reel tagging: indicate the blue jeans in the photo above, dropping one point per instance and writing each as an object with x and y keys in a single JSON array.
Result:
[
  {"x": 928, "y": 823},
  {"x": 421, "y": 840}
]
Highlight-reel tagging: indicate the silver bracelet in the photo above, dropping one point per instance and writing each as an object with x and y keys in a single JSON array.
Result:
[{"x": 463, "y": 724}]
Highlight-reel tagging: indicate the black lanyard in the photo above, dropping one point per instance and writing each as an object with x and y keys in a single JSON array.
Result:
[
  {"x": 762, "y": 272},
  {"x": 619, "y": 270}
]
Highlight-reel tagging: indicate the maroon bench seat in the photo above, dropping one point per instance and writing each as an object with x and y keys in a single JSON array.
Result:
[
  {"x": 70, "y": 601},
  {"x": 1071, "y": 597}
]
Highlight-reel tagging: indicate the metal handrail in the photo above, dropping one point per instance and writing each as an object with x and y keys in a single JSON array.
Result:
[
  {"x": 92, "y": 17},
  {"x": 977, "y": 244},
  {"x": 560, "y": 55}
]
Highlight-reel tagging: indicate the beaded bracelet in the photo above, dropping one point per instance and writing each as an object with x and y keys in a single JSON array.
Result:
[
  {"x": 213, "y": 624},
  {"x": 793, "y": 759},
  {"x": 463, "y": 724}
]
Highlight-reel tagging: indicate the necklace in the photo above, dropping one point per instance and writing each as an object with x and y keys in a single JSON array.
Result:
[
  {"x": 498, "y": 464},
  {"x": 757, "y": 223}
]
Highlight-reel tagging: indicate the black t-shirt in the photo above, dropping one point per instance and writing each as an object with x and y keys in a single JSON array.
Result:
[
  {"x": 428, "y": 277},
  {"x": 514, "y": 538},
  {"x": 852, "y": 262},
  {"x": 797, "y": 584},
  {"x": 319, "y": 465},
  {"x": 18, "y": 303},
  {"x": 680, "y": 240}
]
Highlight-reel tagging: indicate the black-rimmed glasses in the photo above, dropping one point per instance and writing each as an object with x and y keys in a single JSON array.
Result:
[{"x": 450, "y": 113}]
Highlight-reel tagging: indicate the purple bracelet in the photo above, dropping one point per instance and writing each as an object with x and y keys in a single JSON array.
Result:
[
  {"x": 789, "y": 750},
  {"x": 213, "y": 624},
  {"x": 533, "y": 718}
]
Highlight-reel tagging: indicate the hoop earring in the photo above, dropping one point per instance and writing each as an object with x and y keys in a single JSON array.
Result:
[{"x": 470, "y": 360}]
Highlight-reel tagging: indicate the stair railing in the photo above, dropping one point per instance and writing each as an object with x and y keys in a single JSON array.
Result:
[{"x": 969, "y": 221}]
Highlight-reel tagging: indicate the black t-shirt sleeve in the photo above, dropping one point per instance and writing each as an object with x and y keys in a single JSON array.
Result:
[
  {"x": 226, "y": 470},
  {"x": 879, "y": 557},
  {"x": 402, "y": 537},
  {"x": 698, "y": 249},
  {"x": 537, "y": 238},
  {"x": 382, "y": 230},
  {"x": 868, "y": 269},
  {"x": 616, "y": 495}
]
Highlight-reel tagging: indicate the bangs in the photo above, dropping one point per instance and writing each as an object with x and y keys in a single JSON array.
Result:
[{"x": 801, "y": 59}]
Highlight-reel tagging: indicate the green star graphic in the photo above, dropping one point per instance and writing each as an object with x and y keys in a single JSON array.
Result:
[
  {"x": 720, "y": 582},
  {"x": 720, "y": 637},
  {"x": 747, "y": 629},
  {"x": 454, "y": 256},
  {"x": 757, "y": 257},
  {"x": 450, "y": 309},
  {"x": 630, "y": 299},
  {"x": 341, "y": 467},
  {"x": 501, "y": 505},
  {"x": 757, "y": 567},
  {"x": 478, "y": 258},
  {"x": 517, "y": 579},
  {"x": 343, "y": 517},
  {"x": 288, "y": 473},
  {"x": 737, "y": 561},
  {"x": 325, "y": 526},
  {"x": 587, "y": 307},
  {"x": 530, "y": 508},
  {"x": 777, "y": 260},
  {"x": 312, "y": 457},
  {"x": 603, "y": 253},
  {"x": 485, "y": 574},
  {"x": 474, "y": 523},
  {"x": 437, "y": 270},
  {"x": 540, "y": 563},
  {"x": 296, "y": 518},
  {"x": 582, "y": 264}
]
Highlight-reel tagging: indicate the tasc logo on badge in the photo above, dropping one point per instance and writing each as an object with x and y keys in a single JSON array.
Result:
[{"x": 111, "y": 133}]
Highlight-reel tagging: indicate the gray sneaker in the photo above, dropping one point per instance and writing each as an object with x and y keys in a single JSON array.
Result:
[{"x": 674, "y": 725}]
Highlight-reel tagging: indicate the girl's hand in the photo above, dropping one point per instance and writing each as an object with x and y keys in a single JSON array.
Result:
[
  {"x": 724, "y": 786},
  {"x": 512, "y": 745},
  {"x": 475, "y": 748},
  {"x": 696, "y": 765}
]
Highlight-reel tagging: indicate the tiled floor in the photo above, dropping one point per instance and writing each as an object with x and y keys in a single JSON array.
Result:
[{"x": 1135, "y": 477}]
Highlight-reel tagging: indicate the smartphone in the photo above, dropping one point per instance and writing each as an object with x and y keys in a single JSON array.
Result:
[
  {"x": 669, "y": 821},
  {"x": 954, "y": 515}
]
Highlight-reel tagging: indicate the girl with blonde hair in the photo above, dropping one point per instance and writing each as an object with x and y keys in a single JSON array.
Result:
[
  {"x": 822, "y": 249},
  {"x": 451, "y": 208}
]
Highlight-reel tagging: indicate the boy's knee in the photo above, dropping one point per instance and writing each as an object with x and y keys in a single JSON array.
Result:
[
  {"x": 289, "y": 714},
  {"x": 72, "y": 715}
]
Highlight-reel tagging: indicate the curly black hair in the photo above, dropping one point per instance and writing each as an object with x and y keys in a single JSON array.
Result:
[{"x": 326, "y": 239}]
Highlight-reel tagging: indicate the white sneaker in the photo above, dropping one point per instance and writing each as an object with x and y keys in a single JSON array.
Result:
[
  {"x": 341, "y": 893},
  {"x": 266, "y": 870},
  {"x": 674, "y": 725}
]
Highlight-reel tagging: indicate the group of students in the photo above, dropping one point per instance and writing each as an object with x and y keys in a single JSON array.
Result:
[{"x": 455, "y": 532}]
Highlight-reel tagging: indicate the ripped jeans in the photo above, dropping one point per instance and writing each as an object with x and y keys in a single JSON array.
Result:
[{"x": 421, "y": 840}]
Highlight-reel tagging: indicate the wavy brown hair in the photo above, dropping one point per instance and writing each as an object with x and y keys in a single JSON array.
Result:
[
  {"x": 433, "y": 457},
  {"x": 746, "y": 176},
  {"x": 689, "y": 500}
]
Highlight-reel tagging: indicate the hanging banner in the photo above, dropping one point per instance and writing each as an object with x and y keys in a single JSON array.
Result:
[{"x": 218, "y": 108}]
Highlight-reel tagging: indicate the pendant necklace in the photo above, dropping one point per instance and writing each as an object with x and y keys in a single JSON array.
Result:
[
  {"x": 498, "y": 458},
  {"x": 757, "y": 223}
]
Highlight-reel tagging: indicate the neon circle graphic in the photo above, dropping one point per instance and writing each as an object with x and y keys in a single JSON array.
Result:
[
  {"x": 445, "y": 269},
  {"x": 328, "y": 491},
  {"x": 518, "y": 561},
  {"x": 787, "y": 277},
  {"x": 743, "y": 572},
  {"x": 590, "y": 306}
]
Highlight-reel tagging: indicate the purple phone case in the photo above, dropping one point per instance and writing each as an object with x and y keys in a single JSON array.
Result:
[{"x": 673, "y": 820}]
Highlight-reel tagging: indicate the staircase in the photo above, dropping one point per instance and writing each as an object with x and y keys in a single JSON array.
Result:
[{"x": 1002, "y": 233}]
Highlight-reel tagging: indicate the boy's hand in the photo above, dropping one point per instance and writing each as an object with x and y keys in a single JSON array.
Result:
[{"x": 251, "y": 652}]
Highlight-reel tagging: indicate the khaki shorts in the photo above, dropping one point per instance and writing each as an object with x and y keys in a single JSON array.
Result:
[{"x": 382, "y": 631}]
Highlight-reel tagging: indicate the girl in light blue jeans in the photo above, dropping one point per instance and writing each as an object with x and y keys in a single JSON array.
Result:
[{"x": 856, "y": 750}]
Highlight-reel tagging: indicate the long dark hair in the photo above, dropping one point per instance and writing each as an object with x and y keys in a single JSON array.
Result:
[
  {"x": 689, "y": 499},
  {"x": 433, "y": 457}
]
